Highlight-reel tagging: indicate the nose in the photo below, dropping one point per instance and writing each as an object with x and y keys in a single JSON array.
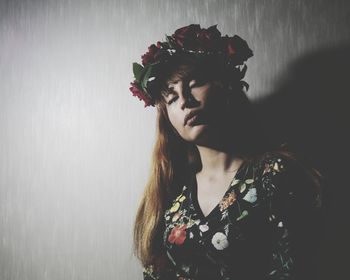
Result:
[
  {"x": 185, "y": 97},
  {"x": 185, "y": 102}
]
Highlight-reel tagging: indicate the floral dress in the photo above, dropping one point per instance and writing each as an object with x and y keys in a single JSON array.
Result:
[{"x": 262, "y": 229}]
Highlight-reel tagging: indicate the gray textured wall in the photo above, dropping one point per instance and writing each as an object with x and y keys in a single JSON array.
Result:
[{"x": 75, "y": 145}]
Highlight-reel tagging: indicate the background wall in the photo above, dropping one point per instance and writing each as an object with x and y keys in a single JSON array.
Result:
[{"x": 75, "y": 145}]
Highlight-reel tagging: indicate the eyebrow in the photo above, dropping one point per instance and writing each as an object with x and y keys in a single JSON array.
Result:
[
  {"x": 168, "y": 83},
  {"x": 187, "y": 78},
  {"x": 167, "y": 93},
  {"x": 169, "y": 90}
]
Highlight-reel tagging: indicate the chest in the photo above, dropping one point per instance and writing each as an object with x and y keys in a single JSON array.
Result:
[
  {"x": 232, "y": 210},
  {"x": 230, "y": 233},
  {"x": 235, "y": 232},
  {"x": 210, "y": 192}
]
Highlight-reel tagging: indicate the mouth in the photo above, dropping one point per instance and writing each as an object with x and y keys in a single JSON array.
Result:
[{"x": 191, "y": 118}]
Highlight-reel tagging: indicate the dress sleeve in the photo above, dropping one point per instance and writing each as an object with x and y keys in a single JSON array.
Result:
[
  {"x": 149, "y": 273},
  {"x": 166, "y": 272},
  {"x": 294, "y": 207}
]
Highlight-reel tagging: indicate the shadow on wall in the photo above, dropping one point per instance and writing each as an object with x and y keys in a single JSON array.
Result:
[{"x": 310, "y": 111}]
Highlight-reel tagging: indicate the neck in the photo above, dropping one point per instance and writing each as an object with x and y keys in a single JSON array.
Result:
[
  {"x": 217, "y": 154},
  {"x": 217, "y": 162}
]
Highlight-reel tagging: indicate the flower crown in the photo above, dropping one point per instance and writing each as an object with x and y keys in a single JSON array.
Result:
[{"x": 189, "y": 40}]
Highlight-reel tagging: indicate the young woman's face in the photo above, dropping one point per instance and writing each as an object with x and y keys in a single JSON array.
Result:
[{"x": 194, "y": 106}]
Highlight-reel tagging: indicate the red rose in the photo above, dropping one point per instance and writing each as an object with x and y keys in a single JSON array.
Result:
[
  {"x": 186, "y": 36},
  {"x": 178, "y": 235},
  {"x": 229, "y": 46},
  {"x": 236, "y": 46},
  {"x": 209, "y": 39},
  {"x": 136, "y": 91},
  {"x": 151, "y": 55}
]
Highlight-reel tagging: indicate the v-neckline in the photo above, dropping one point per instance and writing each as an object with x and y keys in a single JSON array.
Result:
[{"x": 194, "y": 191}]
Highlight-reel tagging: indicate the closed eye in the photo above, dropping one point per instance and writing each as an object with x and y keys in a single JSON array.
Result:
[{"x": 172, "y": 100}]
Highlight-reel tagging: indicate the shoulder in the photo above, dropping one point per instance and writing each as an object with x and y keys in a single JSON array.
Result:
[
  {"x": 292, "y": 187},
  {"x": 274, "y": 170},
  {"x": 271, "y": 164},
  {"x": 284, "y": 166}
]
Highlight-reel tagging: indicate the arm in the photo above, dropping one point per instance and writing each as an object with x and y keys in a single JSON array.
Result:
[
  {"x": 293, "y": 205},
  {"x": 165, "y": 272},
  {"x": 149, "y": 273}
]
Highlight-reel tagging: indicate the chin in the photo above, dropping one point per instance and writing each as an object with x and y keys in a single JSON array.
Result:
[{"x": 196, "y": 134}]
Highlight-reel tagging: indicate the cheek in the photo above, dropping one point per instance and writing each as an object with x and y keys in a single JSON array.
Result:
[
  {"x": 175, "y": 120},
  {"x": 209, "y": 102},
  {"x": 211, "y": 96}
]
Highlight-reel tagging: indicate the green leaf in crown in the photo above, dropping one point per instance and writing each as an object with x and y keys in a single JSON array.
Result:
[{"x": 138, "y": 70}]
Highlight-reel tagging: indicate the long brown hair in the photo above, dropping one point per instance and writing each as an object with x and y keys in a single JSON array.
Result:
[
  {"x": 171, "y": 157},
  {"x": 174, "y": 159}
]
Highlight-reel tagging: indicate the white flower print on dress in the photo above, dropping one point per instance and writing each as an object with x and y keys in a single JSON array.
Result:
[
  {"x": 251, "y": 195},
  {"x": 220, "y": 241},
  {"x": 249, "y": 181},
  {"x": 235, "y": 182},
  {"x": 203, "y": 228}
]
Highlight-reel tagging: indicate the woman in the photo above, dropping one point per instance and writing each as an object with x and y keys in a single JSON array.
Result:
[{"x": 219, "y": 204}]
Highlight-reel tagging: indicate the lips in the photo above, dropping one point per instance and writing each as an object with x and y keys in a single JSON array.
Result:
[{"x": 191, "y": 117}]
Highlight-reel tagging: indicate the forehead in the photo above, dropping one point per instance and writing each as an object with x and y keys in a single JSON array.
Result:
[
  {"x": 184, "y": 71},
  {"x": 186, "y": 76}
]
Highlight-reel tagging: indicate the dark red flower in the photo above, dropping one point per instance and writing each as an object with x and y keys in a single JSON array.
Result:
[
  {"x": 136, "y": 91},
  {"x": 152, "y": 54},
  {"x": 191, "y": 39},
  {"x": 236, "y": 47},
  {"x": 178, "y": 235},
  {"x": 186, "y": 36},
  {"x": 209, "y": 39},
  {"x": 229, "y": 46}
]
